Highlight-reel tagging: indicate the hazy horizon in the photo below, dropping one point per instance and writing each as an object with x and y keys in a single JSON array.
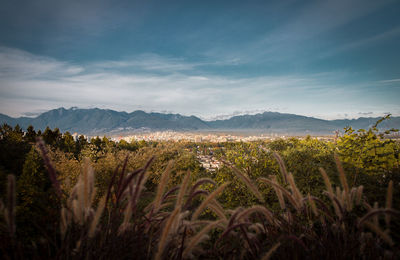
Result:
[{"x": 212, "y": 59}]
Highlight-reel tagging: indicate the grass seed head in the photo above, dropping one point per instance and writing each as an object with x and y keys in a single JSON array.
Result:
[{"x": 208, "y": 199}]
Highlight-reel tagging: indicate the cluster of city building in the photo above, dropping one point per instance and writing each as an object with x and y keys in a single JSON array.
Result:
[
  {"x": 209, "y": 162},
  {"x": 194, "y": 137}
]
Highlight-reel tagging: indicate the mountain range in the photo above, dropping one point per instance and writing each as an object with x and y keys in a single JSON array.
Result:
[{"x": 97, "y": 121}]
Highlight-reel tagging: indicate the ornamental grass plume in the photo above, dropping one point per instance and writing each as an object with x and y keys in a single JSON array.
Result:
[
  {"x": 246, "y": 180},
  {"x": 209, "y": 198}
]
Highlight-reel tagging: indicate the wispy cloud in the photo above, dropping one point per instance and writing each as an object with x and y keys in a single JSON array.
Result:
[
  {"x": 389, "y": 81},
  {"x": 379, "y": 37},
  {"x": 35, "y": 83},
  {"x": 149, "y": 62},
  {"x": 286, "y": 40},
  {"x": 365, "y": 113},
  {"x": 18, "y": 64}
]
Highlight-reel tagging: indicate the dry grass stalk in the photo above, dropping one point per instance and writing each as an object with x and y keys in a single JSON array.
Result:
[
  {"x": 295, "y": 191},
  {"x": 193, "y": 224},
  {"x": 64, "y": 221},
  {"x": 138, "y": 188},
  {"x": 193, "y": 195},
  {"x": 199, "y": 237},
  {"x": 76, "y": 210},
  {"x": 162, "y": 206},
  {"x": 268, "y": 255},
  {"x": 345, "y": 185},
  {"x": 326, "y": 180},
  {"x": 182, "y": 190},
  {"x": 246, "y": 180},
  {"x": 217, "y": 209},
  {"x": 78, "y": 204},
  {"x": 342, "y": 175},
  {"x": 50, "y": 169},
  {"x": 125, "y": 181},
  {"x": 201, "y": 182},
  {"x": 257, "y": 208},
  {"x": 234, "y": 215},
  {"x": 329, "y": 189},
  {"x": 324, "y": 209},
  {"x": 165, "y": 233},
  {"x": 282, "y": 166},
  {"x": 97, "y": 216},
  {"x": 82, "y": 195},
  {"x": 209, "y": 198},
  {"x": 112, "y": 181},
  {"x": 279, "y": 194},
  {"x": 257, "y": 228},
  {"x": 86, "y": 172},
  {"x": 165, "y": 205},
  {"x": 351, "y": 199},
  {"x": 379, "y": 232},
  {"x": 290, "y": 197},
  {"x": 359, "y": 195},
  {"x": 161, "y": 186},
  {"x": 312, "y": 204},
  {"x": 374, "y": 214},
  {"x": 339, "y": 196},
  {"x": 178, "y": 221}
]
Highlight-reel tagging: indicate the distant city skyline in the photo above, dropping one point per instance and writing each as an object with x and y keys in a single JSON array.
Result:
[{"x": 212, "y": 59}]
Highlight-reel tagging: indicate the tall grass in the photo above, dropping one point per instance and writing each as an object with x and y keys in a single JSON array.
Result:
[{"x": 338, "y": 224}]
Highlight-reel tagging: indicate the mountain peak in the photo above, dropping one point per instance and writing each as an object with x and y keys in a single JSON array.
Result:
[{"x": 95, "y": 121}]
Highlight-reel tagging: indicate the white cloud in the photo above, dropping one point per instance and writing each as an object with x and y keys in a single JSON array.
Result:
[
  {"x": 19, "y": 64},
  {"x": 150, "y": 62},
  {"x": 30, "y": 83},
  {"x": 389, "y": 81}
]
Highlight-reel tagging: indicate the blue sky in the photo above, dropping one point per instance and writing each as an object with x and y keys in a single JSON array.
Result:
[{"x": 328, "y": 59}]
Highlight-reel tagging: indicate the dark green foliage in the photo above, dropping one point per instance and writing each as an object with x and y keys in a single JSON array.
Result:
[
  {"x": 68, "y": 144},
  {"x": 13, "y": 149},
  {"x": 30, "y": 135},
  {"x": 52, "y": 137},
  {"x": 37, "y": 204},
  {"x": 371, "y": 159}
]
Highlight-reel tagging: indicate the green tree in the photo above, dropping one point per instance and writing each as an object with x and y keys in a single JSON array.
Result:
[
  {"x": 52, "y": 137},
  {"x": 80, "y": 144},
  {"x": 36, "y": 205},
  {"x": 97, "y": 143},
  {"x": 370, "y": 159},
  {"x": 13, "y": 149},
  {"x": 68, "y": 142},
  {"x": 30, "y": 135}
]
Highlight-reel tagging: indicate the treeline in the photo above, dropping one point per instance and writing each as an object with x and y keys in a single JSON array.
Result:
[{"x": 16, "y": 143}]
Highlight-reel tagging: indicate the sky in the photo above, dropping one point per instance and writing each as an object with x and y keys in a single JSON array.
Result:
[{"x": 213, "y": 59}]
